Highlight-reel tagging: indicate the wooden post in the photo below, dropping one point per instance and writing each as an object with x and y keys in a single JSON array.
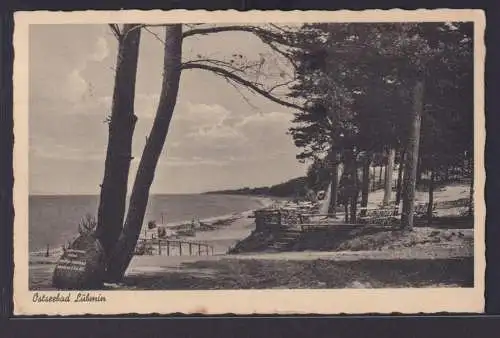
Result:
[
  {"x": 47, "y": 253},
  {"x": 199, "y": 249},
  {"x": 180, "y": 248},
  {"x": 168, "y": 248},
  {"x": 159, "y": 246},
  {"x": 190, "y": 251},
  {"x": 212, "y": 250}
]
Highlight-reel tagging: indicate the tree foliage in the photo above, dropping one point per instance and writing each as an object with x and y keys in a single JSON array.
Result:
[{"x": 359, "y": 82}]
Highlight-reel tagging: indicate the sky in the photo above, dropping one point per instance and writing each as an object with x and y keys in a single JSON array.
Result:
[{"x": 217, "y": 138}]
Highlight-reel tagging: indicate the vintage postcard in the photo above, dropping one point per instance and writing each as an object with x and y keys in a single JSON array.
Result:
[{"x": 249, "y": 162}]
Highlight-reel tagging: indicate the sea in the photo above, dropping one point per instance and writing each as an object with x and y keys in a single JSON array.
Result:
[{"x": 54, "y": 219}]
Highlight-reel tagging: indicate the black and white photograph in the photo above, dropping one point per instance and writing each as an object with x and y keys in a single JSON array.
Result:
[{"x": 244, "y": 154}]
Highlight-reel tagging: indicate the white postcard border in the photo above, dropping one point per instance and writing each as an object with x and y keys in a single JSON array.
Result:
[{"x": 354, "y": 301}]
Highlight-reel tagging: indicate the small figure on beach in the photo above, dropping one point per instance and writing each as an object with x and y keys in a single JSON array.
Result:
[
  {"x": 321, "y": 195},
  {"x": 162, "y": 232},
  {"x": 311, "y": 195}
]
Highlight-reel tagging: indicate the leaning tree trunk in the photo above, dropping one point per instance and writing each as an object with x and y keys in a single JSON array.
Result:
[
  {"x": 400, "y": 175},
  {"x": 431, "y": 199},
  {"x": 112, "y": 202},
  {"x": 388, "y": 177},
  {"x": 366, "y": 185},
  {"x": 124, "y": 250},
  {"x": 410, "y": 173}
]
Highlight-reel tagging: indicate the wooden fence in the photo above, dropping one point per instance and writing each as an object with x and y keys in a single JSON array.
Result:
[
  {"x": 277, "y": 220},
  {"x": 172, "y": 247}
]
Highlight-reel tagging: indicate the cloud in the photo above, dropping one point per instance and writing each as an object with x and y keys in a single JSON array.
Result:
[
  {"x": 76, "y": 86},
  {"x": 61, "y": 151},
  {"x": 203, "y": 114},
  {"x": 146, "y": 104},
  {"x": 272, "y": 118},
  {"x": 101, "y": 50},
  {"x": 217, "y": 132},
  {"x": 207, "y": 123},
  {"x": 194, "y": 161},
  {"x": 216, "y": 139}
]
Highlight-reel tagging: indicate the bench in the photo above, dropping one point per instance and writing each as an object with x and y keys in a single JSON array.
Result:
[
  {"x": 421, "y": 209},
  {"x": 382, "y": 216}
]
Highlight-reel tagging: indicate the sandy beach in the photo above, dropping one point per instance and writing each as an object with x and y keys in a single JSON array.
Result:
[
  {"x": 236, "y": 226},
  {"x": 424, "y": 251}
]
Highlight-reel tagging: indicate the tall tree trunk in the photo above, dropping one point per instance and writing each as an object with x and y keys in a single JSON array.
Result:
[
  {"x": 388, "y": 176},
  {"x": 366, "y": 184},
  {"x": 332, "y": 209},
  {"x": 471, "y": 189},
  {"x": 124, "y": 250},
  {"x": 410, "y": 172},
  {"x": 419, "y": 172},
  {"x": 431, "y": 198},
  {"x": 374, "y": 178},
  {"x": 380, "y": 175},
  {"x": 112, "y": 202},
  {"x": 355, "y": 194},
  {"x": 400, "y": 175}
]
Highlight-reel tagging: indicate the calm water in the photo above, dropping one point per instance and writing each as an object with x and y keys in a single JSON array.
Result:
[{"x": 53, "y": 220}]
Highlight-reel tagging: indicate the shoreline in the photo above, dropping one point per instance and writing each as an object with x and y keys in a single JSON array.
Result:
[{"x": 264, "y": 201}]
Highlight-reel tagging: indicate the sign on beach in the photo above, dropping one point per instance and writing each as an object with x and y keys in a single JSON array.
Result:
[{"x": 79, "y": 268}]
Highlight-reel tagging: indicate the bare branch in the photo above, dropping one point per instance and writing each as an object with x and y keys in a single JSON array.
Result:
[
  {"x": 192, "y": 25},
  {"x": 231, "y": 76},
  {"x": 275, "y": 26},
  {"x": 265, "y": 35},
  {"x": 242, "y": 95},
  {"x": 212, "y": 30},
  {"x": 221, "y": 63},
  {"x": 281, "y": 85},
  {"x": 286, "y": 55},
  {"x": 115, "y": 30},
  {"x": 157, "y": 37}
]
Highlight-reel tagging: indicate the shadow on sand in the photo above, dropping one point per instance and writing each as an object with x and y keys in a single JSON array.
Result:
[{"x": 265, "y": 274}]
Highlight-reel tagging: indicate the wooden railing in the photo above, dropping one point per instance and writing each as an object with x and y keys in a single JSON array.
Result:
[
  {"x": 164, "y": 246},
  {"x": 382, "y": 216}
]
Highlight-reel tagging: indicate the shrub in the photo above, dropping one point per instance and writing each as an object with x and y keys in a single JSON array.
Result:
[
  {"x": 151, "y": 224},
  {"x": 87, "y": 225}
]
